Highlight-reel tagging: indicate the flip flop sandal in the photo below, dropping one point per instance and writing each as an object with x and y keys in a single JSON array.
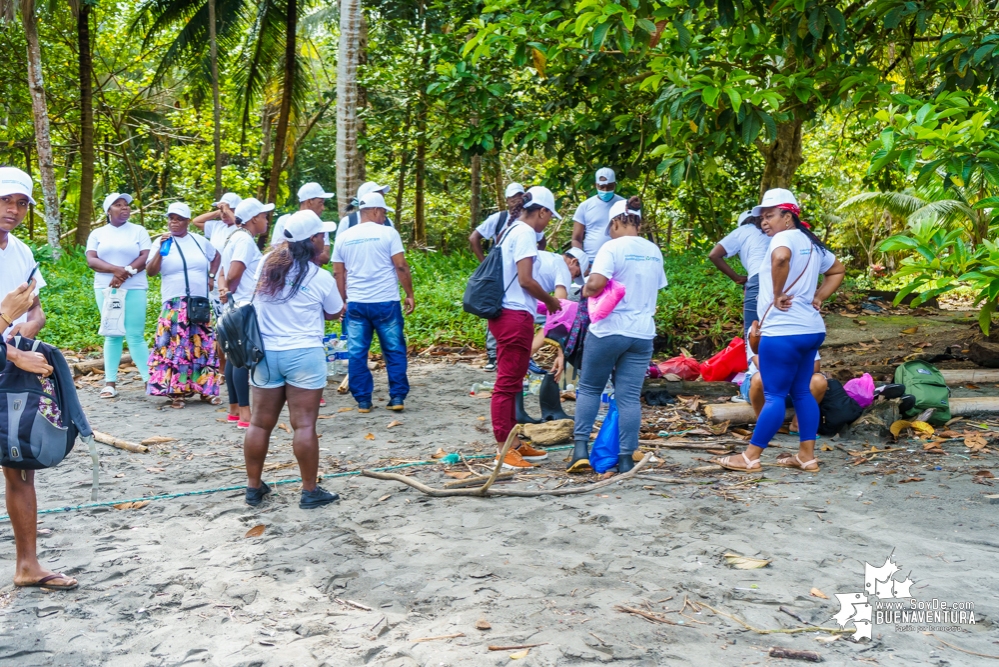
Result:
[
  {"x": 751, "y": 464},
  {"x": 44, "y": 583},
  {"x": 213, "y": 400},
  {"x": 792, "y": 461},
  {"x": 109, "y": 392}
]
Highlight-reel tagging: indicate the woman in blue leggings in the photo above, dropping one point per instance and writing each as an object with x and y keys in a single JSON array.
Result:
[{"x": 791, "y": 328}]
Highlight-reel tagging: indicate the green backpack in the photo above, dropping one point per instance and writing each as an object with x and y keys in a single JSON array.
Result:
[{"x": 927, "y": 384}]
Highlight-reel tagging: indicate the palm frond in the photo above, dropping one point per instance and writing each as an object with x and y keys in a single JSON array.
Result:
[
  {"x": 948, "y": 210},
  {"x": 901, "y": 204}
]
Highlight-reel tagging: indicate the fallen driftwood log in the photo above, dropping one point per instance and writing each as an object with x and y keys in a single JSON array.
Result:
[
  {"x": 742, "y": 413},
  {"x": 794, "y": 654},
  {"x": 958, "y": 376},
  {"x": 679, "y": 443},
  {"x": 106, "y": 439},
  {"x": 92, "y": 365}
]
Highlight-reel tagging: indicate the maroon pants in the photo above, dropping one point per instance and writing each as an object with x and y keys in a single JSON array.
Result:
[{"x": 514, "y": 333}]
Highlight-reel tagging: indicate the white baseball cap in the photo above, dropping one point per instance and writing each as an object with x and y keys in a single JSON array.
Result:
[
  {"x": 181, "y": 209},
  {"x": 13, "y": 181},
  {"x": 584, "y": 261},
  {"x": 620, "y": 207},
  {"x": 374, "y": 200},
  {"x": 775, "y": 197},
  {"x": 743, "y": 216},
  {"x": 115, "y": 196},
  {"x": 542, "y": 196},
  {"x": 313, "y": 191},
  {"x": 605, "y": 175},
  {"x": 251, "y": 207},
  {"x": 230, "y": 198},
  {"x": 514, "y": 189},
  {"x": 302, "y": 225},
  {"x": 371, "y": 186}
]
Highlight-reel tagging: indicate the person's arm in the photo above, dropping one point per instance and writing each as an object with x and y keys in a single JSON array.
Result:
[
  {"x": 155, "y": 260},
  {"x": 830, "y": 283},
  {"x": 324, "y": 256},
  {"x": 32, "y": 362},
  {"x": 406, "y": 278},
  {"x": 213, "y": 268},
  {"x": 595, "y": 284},
  {"x": 118, "y": 273},
  {"x": 578, "y": 234},
  {"x": 717, "y": 257},
  {"x": 475, "y": 242},
  {"x": 235, "y": 274},
  {"x": 34, "y": 323},
  {"x": 340, "y": 274},
  {"x": 561, "y": 293},
  {"x": 525, "y": 276},
  {"x": 202, "y": 219},
  {"x": 17, "y": 303},
  {"x": 780, "y": 264}
]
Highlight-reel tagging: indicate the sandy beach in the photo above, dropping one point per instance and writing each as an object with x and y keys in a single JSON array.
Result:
[{"x": 362, "y": 582}]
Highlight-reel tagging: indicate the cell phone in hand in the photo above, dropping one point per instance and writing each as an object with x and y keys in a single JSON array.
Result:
[{"x": 32, "y": 274}]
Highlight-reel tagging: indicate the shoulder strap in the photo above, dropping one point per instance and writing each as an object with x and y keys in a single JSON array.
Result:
[
  {"x": 187, "y": 283},
  {"x": 788, "y": 288},
  {"x": 352, "y": 219},
  {"x": 503, "y": 223}
]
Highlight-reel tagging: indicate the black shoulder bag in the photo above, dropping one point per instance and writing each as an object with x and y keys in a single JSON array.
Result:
[{"x": 199, "y": 308}]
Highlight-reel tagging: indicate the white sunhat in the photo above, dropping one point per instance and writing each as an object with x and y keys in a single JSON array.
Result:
[
  {"x": 13, "y": 181},
  {"x": 775, "y": 197},
  {"x": 514, "y": 189},
  {"x": 179, "y": 208},
  {"x": 605, "y": 175},
  {"x": 542, "y": 196},
  {"x": 371, "y": 186},
  {"x": 742, "y": 217},
  {"x": 620, "y": 207},
  {"x": 584, "y": 261},
  {"x": 230, "y": 198},
  {"x": 251, "y": 207},
  {"x": 374, "y": 199},
  {"x": 115, "y": 196},
  {"x": 302, "y": 225},
  {"x": 313, "y": 191}
]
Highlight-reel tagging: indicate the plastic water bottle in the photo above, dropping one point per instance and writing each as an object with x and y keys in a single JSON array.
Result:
[
  {"x": 534, "y": 384},
  {"x": 329, "y": 346},
  {"x": 342, "y": 357},
  {"x": 605, "y": 398},
  {"x": 165, "y": 247},
  {"x": 480, "y": 387}
]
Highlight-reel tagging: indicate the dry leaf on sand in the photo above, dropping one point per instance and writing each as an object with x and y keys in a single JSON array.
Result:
[
  {"x": 911, "y": 479},
  {"x": 393, "y": 424},
  {"x": 256, "y": 531},
  {"x": 457, "y": 474},
  {"x": 483, "y": 624},
  {"x": 975, "y": 441},
  {"x": 920, "y": 428},
  {"x": 370, "y": 436},
  {"x": 520, "y": 654},
  {"x": 910, "y": 331},
  {"x": 439, "y": 454},
  {"x": 131, "y": 506},
  {"x": 819, "y": 594},
  {"x": 745, "y": 562},
  {"x": 345, "y": 409},
  {"x": 385, "y": 497}
]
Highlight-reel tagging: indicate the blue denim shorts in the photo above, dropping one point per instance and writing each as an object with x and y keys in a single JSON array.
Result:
[{"x": 304, "y": 368}]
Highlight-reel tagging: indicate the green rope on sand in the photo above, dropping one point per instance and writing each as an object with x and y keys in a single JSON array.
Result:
[{"x": 222, "y": 489}]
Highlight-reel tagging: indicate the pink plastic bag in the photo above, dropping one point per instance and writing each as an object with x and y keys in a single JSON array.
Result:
[
  {"x": 686, "y": 367},
  {"x": 565, "y": 317},
  {"x": 861, "y": 390},
  {"x": 602, "y": 304}
]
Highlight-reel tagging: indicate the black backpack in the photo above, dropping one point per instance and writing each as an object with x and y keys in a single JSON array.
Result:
[
  {"x": 239, "y": 334},
  {"x": 484, "y": 292},
  {"x": 355, "y": 218},
  {"x": 837, "y": 409}
]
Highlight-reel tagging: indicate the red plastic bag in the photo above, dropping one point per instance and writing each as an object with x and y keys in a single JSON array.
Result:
[
  {"x": 724, "y": 365},
  {"x": 686, "y": 367}
]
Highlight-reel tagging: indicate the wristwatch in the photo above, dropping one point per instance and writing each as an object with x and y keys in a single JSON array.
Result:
[
  {"x": 131, "y": 269},
  {"x": 211, "y": 276}
]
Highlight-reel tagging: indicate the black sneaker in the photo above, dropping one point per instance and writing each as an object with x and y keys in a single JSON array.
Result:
[
  {"x": 490, "y": 365},
  {"x": 256, "y": 496},
  {"x": 317, "y": 498}
]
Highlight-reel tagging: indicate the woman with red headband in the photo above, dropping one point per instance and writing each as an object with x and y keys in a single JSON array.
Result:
[{"x": 791, "y": 328}]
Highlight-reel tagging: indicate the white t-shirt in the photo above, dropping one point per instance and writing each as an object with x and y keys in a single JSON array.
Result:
[
  {"x": 277, "y": 234},
  {"x": 366, "y": 251},
  {"x": 16, "y": 262},
  {"x": 750, "y": 244},
  {"x": 198, "y": 253},
  {"x": 119, "y": 246},
  {"x": 242, "y": 247},
  {"x": 638, "y": 264},
  {"x": 518, "y": 243},
  {"x": 298, "y": 322},
  {"x": 488, "y": 228},
  {"x": 551, "y": 271},
  {"x": 216, "y": 231},
  {"x": 593, "y": 214},
  {"x": 801, "y": 318}
]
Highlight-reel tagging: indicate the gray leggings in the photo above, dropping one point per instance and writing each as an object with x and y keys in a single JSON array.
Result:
[{"x": 628, "y": 358}]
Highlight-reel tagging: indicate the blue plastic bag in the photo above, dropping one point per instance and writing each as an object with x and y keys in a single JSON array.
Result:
[{"x": 607, "y": 446}]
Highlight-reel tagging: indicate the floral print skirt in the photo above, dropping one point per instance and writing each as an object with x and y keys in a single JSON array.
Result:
[{"x": 183, "y": 360}]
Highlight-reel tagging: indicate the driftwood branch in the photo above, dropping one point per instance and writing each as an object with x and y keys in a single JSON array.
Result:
[{"x": 106, "y": 439}]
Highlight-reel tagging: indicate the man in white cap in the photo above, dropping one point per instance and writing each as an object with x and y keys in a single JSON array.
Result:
[
  {"x": 590, "y": 222},
  {"x": 311, "y": 197},
  {"x": 354, "y": 217},
  {"x": 218, "y": 224},
  {"x": 369, "y": 262},
  {"x": 16, "y": 265},
  {"x": 749, "y": 242}
]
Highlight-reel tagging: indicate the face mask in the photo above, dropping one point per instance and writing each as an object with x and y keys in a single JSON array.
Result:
[{"x": 605, "y": 196}]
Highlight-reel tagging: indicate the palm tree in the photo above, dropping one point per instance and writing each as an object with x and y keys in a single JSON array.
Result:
[
  {"x": 216, "y": 104},
  {"x": 347, "y": 157},
  {"x": 83, "y": 11}
]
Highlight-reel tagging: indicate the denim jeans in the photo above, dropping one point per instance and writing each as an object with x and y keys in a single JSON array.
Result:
[
  {"x": 365, "y": 319},
  {"x": 751, "y": 291}
]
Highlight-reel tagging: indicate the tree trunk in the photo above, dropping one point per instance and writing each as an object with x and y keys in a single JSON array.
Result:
[
  {"x": 31, "y": 208},
  {"x": 281, "y": 136},
  {"x": 498, "y": 183},
  {"x": 362, "y": 101},
  {"x": 403, "y": 164},
  {"x": 266, "y": 117},
  {"x": 419, "y": 212},
  {"x": 216, "y": 104},
  {"x": 475, "y": 201},
  {"x": 86, "y": 213},
  {"x": 347, "y": 158},
  {"x": 783, "y": 156}
]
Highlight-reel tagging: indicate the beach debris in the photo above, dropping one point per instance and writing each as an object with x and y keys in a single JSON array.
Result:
[
  {"x": 155, "y": 470},
  {"x": 909, "y": 331},
  {"x": 962, "y": 650},
  {"x": 794, "y": 654},
  {"x": 974, "y": 441},
  {"x": 106, "y": 439},
  {"x": 911, "y": 479},
  {"x": 919, "y": 427},
  {"x": 648, "y": 615},
  {"x": 131, "y": 506},
  {"x": 483, "y": 624},
  {"x": 815, "y": 592},
  {"x": 157, "y": 440},
  {"x": 775, "y": 631},
  {"x": 520, "y": 654},
  {"x": 394, "y": 423},
  {"x": 550, "y": 433},
  {"x": 355, "y": 605},
  {"x": 256, "y": 531},
  {"x": 433, "y": 639},
  {"x": 439, "y": 454},
  {"x": 517, "y": 647},
  {"x": 369, "y": 436},
  {"x": 344, "y": 386},
  {"x": 745, "y": 562},
  {"x": 345, "y": 409},
  {"x": 458, "y": 474},
  {"x": 385, "y": 497}
]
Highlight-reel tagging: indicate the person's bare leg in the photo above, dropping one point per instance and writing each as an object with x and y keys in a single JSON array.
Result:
[
  {"x": 244, "y": 414},
  {"x": 268, "y": 404},
  {"x": 303, "y": 406},
  {"x": 818, "y": 387},
  {"x": 756, "y": 398},
  {"x": 22, "y": 506},
  {"x": 538, "y": 342}
]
